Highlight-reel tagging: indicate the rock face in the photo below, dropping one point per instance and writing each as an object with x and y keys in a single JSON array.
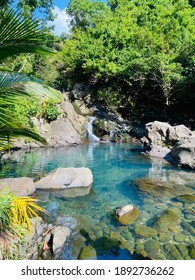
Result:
[
  {"x": 68, "y": 129},
  {"x": 127, "y": 214},
  {"x": 68, "y": 182},
  {"x": 23, "y": 186},
  {"x": 184, "y": 152},
  {"x": 160, "y": 133},
  {"x": 174, "y": 143}
]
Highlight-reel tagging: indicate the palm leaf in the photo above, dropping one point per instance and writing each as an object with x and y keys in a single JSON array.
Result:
[
  {"x": 20, "y": 35},
  {"x": 7, "y": 134}
]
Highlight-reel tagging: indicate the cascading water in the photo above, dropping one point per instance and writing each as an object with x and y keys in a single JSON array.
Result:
[
  {"x": 91, "y": 137},
  {"x": 111, "y": 136}
]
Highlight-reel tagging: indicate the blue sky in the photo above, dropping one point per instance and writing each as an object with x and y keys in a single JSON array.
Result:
[{"x": 62, "y": 20}]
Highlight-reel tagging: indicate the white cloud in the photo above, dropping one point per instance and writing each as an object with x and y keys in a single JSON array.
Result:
[{"x": 61, "y": 22}]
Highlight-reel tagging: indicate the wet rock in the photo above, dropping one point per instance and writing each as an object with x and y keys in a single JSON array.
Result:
[
  {"x": 168, "y": 220},
  {"x": 152, "y": 248},
  {"x": 22, "y": 186},
  {"x": 186, "y": 198},
  {"x": 145, "y": 231},
  {"x": 191, "y": 249},
  {"x": 172, "y": 252},
  {"x": 165, "y": 236},
  {"x": 188, "y": 227},
  {"x": 124, "y": 210},
  {"x": 156, "y": 188},
  {"x": 88, "y": 253},
  {"x": 126, "y": 217},
  {"x": 179, "y": 237}
]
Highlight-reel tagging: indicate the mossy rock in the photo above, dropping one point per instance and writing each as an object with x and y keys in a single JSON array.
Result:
[
  {"x": 183, "y": 250},
  {"x": 145, "y": 231},
  {"x": 186, "y": 198},
  {"x": 156, "y": 188},
  {"x": 172, "y": 252},
  {"x": 87, "y": 253},
  {"x": 191, "y": 249},
  {"x": 165, "y": 236},
  {"x": 124, "y": 244},
  {"x": 168, "y": 221},
  {"x": 129, "y": 218},
  {"x": 179, "y": 237},
  {"x": 188, "y": 227},
  {"x": 152, "y": 248}
]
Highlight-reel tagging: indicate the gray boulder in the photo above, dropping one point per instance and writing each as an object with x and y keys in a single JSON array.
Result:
[
  {"x": 158, "y": 151},
  {"x": 60, "y": 236},
  {"x": 23, "y": 186},
  {"x": 161, "y": 133},
  {"x": 68, "y": 182},
  {"x": 184, "y": 153}
]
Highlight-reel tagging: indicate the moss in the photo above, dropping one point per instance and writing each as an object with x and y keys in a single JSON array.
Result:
[
  {"x": 186, "y": 198},
  {"x": 87, "y": 253},
  {"x": 145, "y": 231},
  {"x": 172, "y": 252},
  {"x": 152, "y": 247},
  {"x": 168, "y": 221}
]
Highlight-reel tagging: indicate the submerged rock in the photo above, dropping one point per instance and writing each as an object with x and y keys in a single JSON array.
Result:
[
  {"x": 127, "y": 214},
  {"x": 22, "y": 186},
  {"x": 172, "y": 252},
  {"x": 156, "y": 188},
  {"x": 124, "y": 210},
  {"x": 186, "y": 198},
  {"x": 88, "y": 253},
  {"x": 145, "y": 231},
  {"x": 168, "y": 220},
  {"x": 164, "y": 187},
  {"x": 67, "y": 182}
]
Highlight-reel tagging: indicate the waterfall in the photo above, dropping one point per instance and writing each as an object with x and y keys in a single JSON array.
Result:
[
  {"x": 111, "y": 136},
  {"x": 91, "y": 137}
]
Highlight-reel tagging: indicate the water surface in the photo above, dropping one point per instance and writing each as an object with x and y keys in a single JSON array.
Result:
[{"x": 116, "y": 169}]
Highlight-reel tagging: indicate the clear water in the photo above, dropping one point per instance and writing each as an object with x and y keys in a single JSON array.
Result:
[{"x": 115, "y": 168}]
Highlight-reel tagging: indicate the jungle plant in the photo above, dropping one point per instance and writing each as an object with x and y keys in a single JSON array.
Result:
[
  {"x": 15, "y": 221},
  {"x": 18, "y": 35}
]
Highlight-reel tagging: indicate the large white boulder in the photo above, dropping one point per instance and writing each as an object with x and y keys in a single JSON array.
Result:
[{"x": 72, "y": 181}]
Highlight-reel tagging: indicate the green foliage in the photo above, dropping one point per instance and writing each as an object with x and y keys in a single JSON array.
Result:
[
  {"x": 15, "y": 223},
  {"x": 18, "y": 35},
  {"x": 134, "y": 44},
  {"x": 50, "y": 110}
]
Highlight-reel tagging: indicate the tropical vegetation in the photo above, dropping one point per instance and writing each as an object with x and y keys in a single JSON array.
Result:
[{"x": 15, "y": 221}]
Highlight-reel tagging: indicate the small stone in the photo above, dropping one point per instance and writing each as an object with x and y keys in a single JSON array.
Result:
[
  {"x": 129, "y": 218},
  {"x": 124, "y": 210},
  {"x": 87, "y": 253}
]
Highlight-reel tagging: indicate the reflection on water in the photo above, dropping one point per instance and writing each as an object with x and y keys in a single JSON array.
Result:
[{"x": 118, "y": 171}]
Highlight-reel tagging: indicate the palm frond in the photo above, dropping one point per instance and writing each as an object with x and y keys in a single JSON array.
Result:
[
  {"x": 20, "y": 35},
  {"x": 7, "y": 134},
  {"x": 17, "y": 85}
]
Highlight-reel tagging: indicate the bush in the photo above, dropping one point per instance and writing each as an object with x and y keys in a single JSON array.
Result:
[{"x": 50, "y": 110}]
